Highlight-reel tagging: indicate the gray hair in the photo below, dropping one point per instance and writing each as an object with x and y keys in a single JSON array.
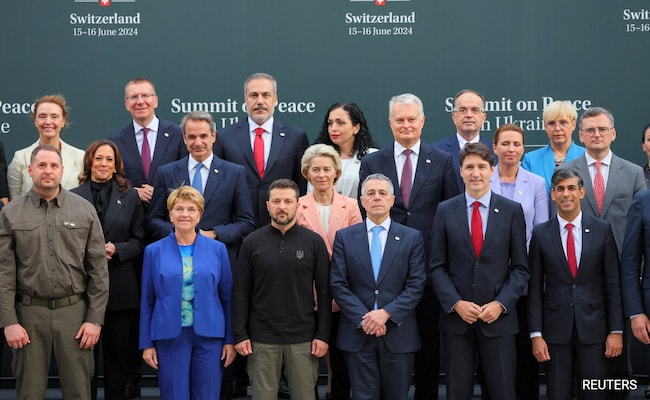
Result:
[
  {"x": 406, "y": 98},
  {"x": 261, "y": 75},
  {"x": 320, "y": 150},
  {"x": 379, "y": 177},
  {"x": 594, "y": 112},
  {"x": 199, "y": 116}
]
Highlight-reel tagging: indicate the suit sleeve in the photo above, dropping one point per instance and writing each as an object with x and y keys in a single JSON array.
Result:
[
  {"x": 96, "y": 268},
  {"x": 514, "y": 285},
  {"x": 535, "y": 284},
  {"x": 632, "y": 257},
  {"x": 439, "y": 263},
  {"x": 157, "y": 222},
  {"x": 611, "y": 268},
  {"x": 147, "y": 299},
  {"x": 243, "y": 221}
]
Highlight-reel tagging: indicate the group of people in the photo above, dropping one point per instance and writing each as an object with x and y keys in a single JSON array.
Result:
[{"x": 241, "y": 257}]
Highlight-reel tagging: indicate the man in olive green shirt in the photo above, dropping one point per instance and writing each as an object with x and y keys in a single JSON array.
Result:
[{"x": 53, "y": 281}]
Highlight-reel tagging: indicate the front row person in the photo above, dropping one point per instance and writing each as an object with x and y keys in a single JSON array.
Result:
[
  {"x": 575, "y": 314},
  {"x": 479, "y": 267},
  {"x": 378, "y": 329},
  {"x": 274, "y": 322},
  {"x": 185, "y": 324}
]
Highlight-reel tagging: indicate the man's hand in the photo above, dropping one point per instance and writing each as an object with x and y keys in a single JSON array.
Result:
[
  {"x": 150, "y": 356},
  {"x": 374, "y": 322},
  {"x": 540, "y": 349},
  {"x": 641, "y": 328},
  {"x": 318, "y": 348},
  {"x": 244, "y": 347},
  {"x": 468, "y": 311},
  {"x": 209, "y": 234},
  {"x": 16, "y": 336},
  {"x": 491, "y": 311},
  {"x": 145, "y": 192},
  {"x": 614, "y": 345},
  {"x": 228, "y": 354},
  {"x": 88, "y": 335}
]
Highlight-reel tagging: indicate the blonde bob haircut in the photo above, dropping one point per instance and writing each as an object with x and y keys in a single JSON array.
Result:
[
  {"x": 560, "y": 108},
  {"x": 320, "y": 150},
  {"x": 185, "y": 193}
]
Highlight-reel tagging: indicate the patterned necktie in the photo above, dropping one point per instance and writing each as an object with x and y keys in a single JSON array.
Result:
[
  {"x": 599, "y": 187},
  {"x": 571, "y": 251},
  {"x": 407, "y": 174},
  {"x": 146, "y": 152},
  {"x": 477, "y": 229},
  {"x": 258, "y": 151},
  {"x": 197, "y": 181}
]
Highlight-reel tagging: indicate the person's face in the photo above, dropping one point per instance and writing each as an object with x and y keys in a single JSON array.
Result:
[
  {"x": 199, "y": 139},
  {"x": 141, "y": 101},
  {"x": 282, "y": 206},
  {"x": 322, "y": 173},
  {"x": 645, "y": 145},
  {"x": 340, "y": 128},
  {"x": 46, "y": 171},
  {"x": 185, "y": 215},
  {"x": 49, "y": 120},
  {"x": 509, "y": 148},
  {"x": 103, "y": 164},
  {"x": 597, "y": 133},
  {"x": 567, "y": 195},
  {"x": 559, "y": 130},
  {"x": 377, "y": 200},
  {"x": 406, "y": 122},
  {"x": 261, "y": 99},
  {"x": 476, "y": 173},
  {"x": 468, "y": 115}
]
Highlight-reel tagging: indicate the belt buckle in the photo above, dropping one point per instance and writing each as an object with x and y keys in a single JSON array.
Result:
[{"x": 51, "y": 304}]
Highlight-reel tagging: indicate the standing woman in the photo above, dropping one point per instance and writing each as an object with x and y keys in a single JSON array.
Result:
[
  {"x": 185, "y": 318},
  {"x": 118, "y": 206},
  {"x": 345, "y": 128},
  {"x": 50, "y": 116},
  {"x": 512, "y": 181},
  {"x": 325, "y": 211}
]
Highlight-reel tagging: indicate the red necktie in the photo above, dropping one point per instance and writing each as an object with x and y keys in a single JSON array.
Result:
[
  {"x": 407, "y": 173},
  {"x": 146, "y": 152},
  {"x": 477, "y": 229},
  {"x": 599, "y": 187},
  {"x": 571, "y": 251},
  {"x": 258, "y": 151}
]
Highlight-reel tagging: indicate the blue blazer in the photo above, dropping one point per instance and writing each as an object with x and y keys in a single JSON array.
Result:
[
  {"x": 227, "y": 207},
  {"x": 542, "y": 161},
  {"x": 162, "y": 284},
  {"x": 169, "y": 147},
  {"x": 288, "y": 144},
  {"x": 499, "y": 273},
  {"x": 636, "y": 252},
  {"x": 450, "y": 145},
  {"x": 398, "y": 289},
  {"x": 591, "y": 302},
  {"x": 530, "y": 192},
  {"x": 434, "y": 182}
]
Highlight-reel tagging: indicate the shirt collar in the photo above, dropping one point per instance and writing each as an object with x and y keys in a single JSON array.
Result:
[
  {"x": 152, "y": 125},
  {"x": 607, "y": 160},
  {"x": 207, "y": 162},
  {"x": 399, "y": 149},
  {"x": 268, "y": 125},
  {"x": 385, "y": 224},
  {"x": 462, "y": 142},
  {"x": 577, "y": 221},
  {"x": 484, "y": 200}
]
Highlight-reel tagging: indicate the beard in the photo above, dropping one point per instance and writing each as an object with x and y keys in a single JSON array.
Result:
[{"x": 289, "y": 219}]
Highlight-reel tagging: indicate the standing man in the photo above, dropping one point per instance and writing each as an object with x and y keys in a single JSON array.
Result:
[
  {"x": 425, "y": 177},
  {"x": 479, "y": 267},
  {"x": 381, "y": 336},
  {"x": 280, "y": 268},
  {"x": 163, "y": 144},
  {"x": 228, "y": 214},
  {"x": 267, "y": 148},
  {"x": 575, "y": 313},
  {"x": 54, "y": 289},
  {"x": 468, "y": 116}
]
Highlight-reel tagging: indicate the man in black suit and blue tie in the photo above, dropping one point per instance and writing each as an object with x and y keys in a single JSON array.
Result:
[
  {"x": 377, "y": 288},
  {"x": 479, "y": 268}
]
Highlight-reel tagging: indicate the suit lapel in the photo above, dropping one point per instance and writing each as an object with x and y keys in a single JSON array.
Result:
[
  {"x": 214, "y": 181},
  {"x": 131, "y": 146},
  {"x": 582, "y": 169},
  {"x": 422, "y": 171},
  {"x": 244, "y": 141},
  {"x": 463, "y": 224},
  {"x": 391, "y": 170},
  {"x": 162, "y": 142},
  {"x": 393, "y": 241},
  {"x": 556, "y": 240},
  {"x": 116, "y": 204},
  {"x": 277, "y": 144},
  {"x": 614, "y": 180},
  {"x": 363, "y": 251}
]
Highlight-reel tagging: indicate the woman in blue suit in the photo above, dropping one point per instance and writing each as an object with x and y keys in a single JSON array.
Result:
[{"x": 185, "y": 324}]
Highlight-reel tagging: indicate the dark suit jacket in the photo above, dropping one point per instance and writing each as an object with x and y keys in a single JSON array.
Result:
[
  {"x": 124, "y": 226},
  {"x": 398, "y": 289},
  {"x": 591, "y": 302},
  {"x": 636, "y": 253},
  {"x": 287, "y": 147},
  {"x": 499, "y": 273},
  {"x": 450, "y": 145},
  {"x": 624, "y": 181},
  {"x": 227, "y": 207},
  {"x": 434, "y": 182},
  {"x": 169, "y": 148}
]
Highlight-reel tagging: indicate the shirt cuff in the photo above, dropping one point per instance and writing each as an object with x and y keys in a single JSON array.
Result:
[{"x": 535, "y": 334}]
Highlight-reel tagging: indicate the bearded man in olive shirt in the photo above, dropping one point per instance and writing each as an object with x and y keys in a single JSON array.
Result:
[{"x": 54, "y": 281}]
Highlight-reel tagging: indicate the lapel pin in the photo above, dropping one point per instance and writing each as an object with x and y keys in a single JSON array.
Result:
[
  {"x": 520, "y": 192},
  {"x": 119, "y": 201},
  {"x": 396, "y": 237},
  {"x": 496, "y": 210},
  {"x": 427, "y": 161},
  {"x": 586, "y": 230},
  {"x": 216, "y": 171},
  {"x": 283, "y": 134},
  {"x": 166, "y": 134}
]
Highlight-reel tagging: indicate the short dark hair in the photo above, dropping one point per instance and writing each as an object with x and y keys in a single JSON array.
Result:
[
  {"x": 479, "y": 149},
  {"x": 561, "y": 174},
  {"x": 284, "y": 184},
  {"x": 44, "y": 147}
]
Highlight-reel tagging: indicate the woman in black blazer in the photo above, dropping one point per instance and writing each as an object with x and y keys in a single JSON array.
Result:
[{"x": 120, "y": 212}]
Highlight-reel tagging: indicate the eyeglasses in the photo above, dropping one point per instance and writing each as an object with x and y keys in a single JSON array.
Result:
[
  {"x": 465, "y": 110},
  {"x": 603, "y": 130},
  {"x": 144, "y": 97},
  {"x": 563, "y": 123}
]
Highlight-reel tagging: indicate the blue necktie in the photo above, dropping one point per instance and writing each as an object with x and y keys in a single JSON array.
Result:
[
  {"x": 197, "y": 182},
  {"x": 375, "y": 250}
]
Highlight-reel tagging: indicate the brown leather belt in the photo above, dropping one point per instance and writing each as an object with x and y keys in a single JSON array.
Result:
[{"x": 49, "y": 303}]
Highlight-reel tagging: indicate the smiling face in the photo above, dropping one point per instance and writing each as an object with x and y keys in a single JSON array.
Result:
[
  {"x": 199, "y": 139},
  {"x": 476, "y": 173},
  {"x": 567, "y": 194},
  {"x": 406, "y": 121},
  {"x": 185, "y": 216},
  {"x": 49, "y": 120},
  {"x": 103, "y": 164},
  {"x": 141, "y": 101}
]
